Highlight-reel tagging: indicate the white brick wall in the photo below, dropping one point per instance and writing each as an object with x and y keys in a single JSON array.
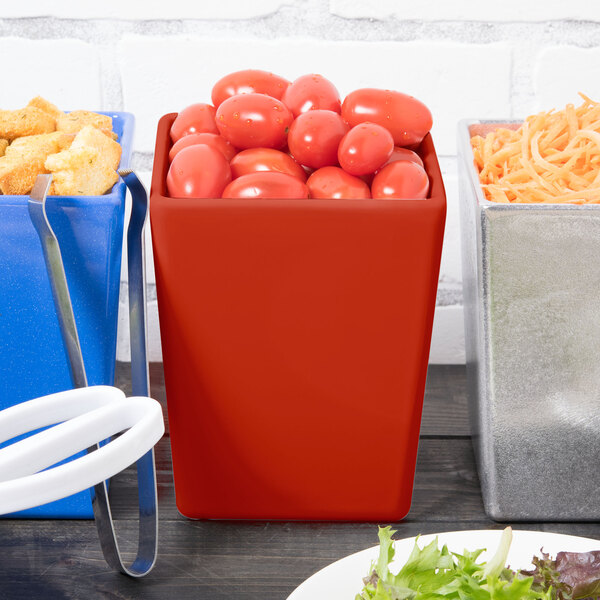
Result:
[
  {"x": 143, "y": 9},
  {"x": 562, "y": 71},
  {"x": 468, "y": 10},
  {"x": 67, "y": 70},
  {"x": 464, "y": 58}
]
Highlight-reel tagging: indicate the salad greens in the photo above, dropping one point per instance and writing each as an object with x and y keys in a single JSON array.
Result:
[{"x": 431, "y": 573}]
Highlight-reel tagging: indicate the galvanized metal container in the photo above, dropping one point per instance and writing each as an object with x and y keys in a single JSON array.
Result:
[{"x": 531, "y": 280}]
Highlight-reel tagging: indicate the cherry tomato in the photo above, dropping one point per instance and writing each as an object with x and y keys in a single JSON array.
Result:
[
  {"x": 314, "y": 138},
  {"x": 198, "y": 171},
  {"x": 333, "y": 182},
  {"x": 401, "y": 179},
  {"x": 365, "y": 148},
  {"x": 405, "y": 117},
  {"x": 265, "y": 159},
  {"x": 266, "y": 184},
  {"x": 403, "y": 154},
  {"x": 210, "y": 139},
  {"x": 248, "y": 82},
  {"x": 196, "y": 118},
  {"x": 312, "y": 92},
  {"x": 254, "y": 121}
]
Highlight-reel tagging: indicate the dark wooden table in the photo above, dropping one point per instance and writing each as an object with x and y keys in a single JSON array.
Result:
[{"x": 249, "y": 560}]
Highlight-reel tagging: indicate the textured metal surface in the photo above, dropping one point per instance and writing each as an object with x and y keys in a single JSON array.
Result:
[{"x": 531, "y": 280}]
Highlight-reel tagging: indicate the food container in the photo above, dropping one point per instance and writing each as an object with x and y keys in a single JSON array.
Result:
[
  {"x": 34, "y": 363},
  {"x": 532, "y": 329},
  {"x": 295, "y": 338}
]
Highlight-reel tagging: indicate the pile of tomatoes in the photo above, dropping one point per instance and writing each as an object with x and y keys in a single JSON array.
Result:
[{"x": 266, "y": 137}]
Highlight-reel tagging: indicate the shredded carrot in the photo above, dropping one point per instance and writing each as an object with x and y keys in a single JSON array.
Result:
[{"x": 553, "y": 157}]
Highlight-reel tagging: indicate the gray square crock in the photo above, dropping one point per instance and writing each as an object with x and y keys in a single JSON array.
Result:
[{"x": 531, "y": 281}]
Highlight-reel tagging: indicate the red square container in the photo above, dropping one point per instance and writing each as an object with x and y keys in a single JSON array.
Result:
[{"x": 295, "y": 338}]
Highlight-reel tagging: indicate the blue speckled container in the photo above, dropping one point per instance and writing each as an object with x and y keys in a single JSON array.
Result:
[{"x": 33, "y": 361}]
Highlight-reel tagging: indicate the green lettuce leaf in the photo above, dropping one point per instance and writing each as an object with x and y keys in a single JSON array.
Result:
[{"x": 433, "y": 573}]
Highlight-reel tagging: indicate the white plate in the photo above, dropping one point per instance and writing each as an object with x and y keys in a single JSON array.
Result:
[{"x": 342, "y": 580}]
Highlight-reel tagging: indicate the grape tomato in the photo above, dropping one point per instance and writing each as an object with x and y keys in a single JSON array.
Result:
[
  {"x": 312, "y": 92},
  {"x": 400, "y": 153},
  {"x": 334, "y": 182},
  {"x": 198, "y": 171},
  {"x": 247, "y": 82},
  {"x": 210, "y": 139},
  {"x": 266, "y": 184},
  {"x": 196, "y": 118},
  {"x": 314, "y": 138},
  {"x": 365, "y": 148},
  {"x": 265, "y": 159},
  {"x": 254, "y": 121},
  {"x": 401, "y": 179},
  {"x": 406, "y": 118}
]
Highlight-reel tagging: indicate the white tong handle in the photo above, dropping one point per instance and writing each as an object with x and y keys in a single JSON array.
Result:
[{"x": 86, "y": 416}]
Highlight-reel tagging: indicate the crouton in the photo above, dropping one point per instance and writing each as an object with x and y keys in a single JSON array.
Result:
[
  {"x": 80, "y": 172},
  {"x": 46, "y": 106},
  {"x": 93, "y": 138},
  {"x": 75, "y": 121},
  {"x": 17, "y": 176},
  {"x": 88, "y": 167},
  {"x": 25, "y": 121},
  {"x": 24, "y": 160},
  {"x": 39, "y": 145},
  {"x": 78, "y": 148}
]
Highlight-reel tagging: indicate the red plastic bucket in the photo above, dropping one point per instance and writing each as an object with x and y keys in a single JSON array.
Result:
[{"x": 295, "y": 337}]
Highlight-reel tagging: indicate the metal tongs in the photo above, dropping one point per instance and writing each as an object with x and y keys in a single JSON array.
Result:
[{"x": 90, "y": 414}]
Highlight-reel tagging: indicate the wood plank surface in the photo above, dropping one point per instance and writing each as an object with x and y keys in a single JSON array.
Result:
[{"x": 249, "y": 560}]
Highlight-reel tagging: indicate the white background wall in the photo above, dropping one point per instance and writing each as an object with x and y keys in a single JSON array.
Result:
[{"x": 465, "y": 58}]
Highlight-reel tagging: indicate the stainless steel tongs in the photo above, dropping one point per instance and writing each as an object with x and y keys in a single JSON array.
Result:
[{"x": 148, "y": 516}]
